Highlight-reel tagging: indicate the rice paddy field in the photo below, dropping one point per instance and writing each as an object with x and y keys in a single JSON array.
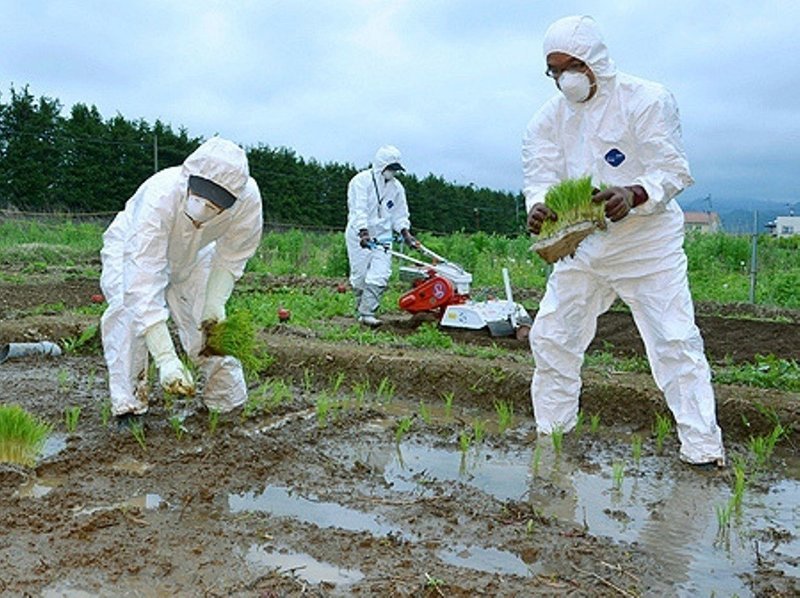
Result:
[{"x": 401, "y": 461}]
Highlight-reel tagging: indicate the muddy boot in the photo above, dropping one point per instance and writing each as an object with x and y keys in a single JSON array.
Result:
[
  {"x": 368, "y": 305},
  {"x": 127, "y": 421},
  {"x": 357, "y": 294}
]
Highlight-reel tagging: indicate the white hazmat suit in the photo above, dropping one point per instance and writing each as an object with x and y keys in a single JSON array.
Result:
[
  {"x": 378, "y": 206},
  {"x": 627, "y": 133},
  {"x": 158, "y": 262}
]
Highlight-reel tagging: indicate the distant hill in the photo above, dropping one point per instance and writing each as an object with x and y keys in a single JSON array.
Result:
[{"x": 737, "y": 214}]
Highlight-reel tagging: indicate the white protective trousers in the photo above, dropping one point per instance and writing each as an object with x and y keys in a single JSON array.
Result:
[{"x": 127, "y": 358}]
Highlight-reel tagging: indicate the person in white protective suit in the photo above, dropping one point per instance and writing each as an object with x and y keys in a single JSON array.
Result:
[
  {"x": 625, "y": 132},
  {"x": 376, "y": 207},
  {"x": 176, "y": 250}
]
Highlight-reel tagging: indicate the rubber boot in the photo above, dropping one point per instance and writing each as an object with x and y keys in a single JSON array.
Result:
[{"x": 369, "y": 303}]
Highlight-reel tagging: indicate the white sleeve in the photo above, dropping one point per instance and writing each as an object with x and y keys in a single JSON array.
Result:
[
  {"x": 543, "y": 162},
  {"x": 658, "y": 132}
]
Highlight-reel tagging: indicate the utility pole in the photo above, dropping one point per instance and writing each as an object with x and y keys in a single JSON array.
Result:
[
  {"x": 754, "y": 258},
  {"x": 155, "y": 153}
]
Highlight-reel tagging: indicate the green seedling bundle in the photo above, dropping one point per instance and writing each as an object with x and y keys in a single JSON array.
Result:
[
  {"x": 578, "y": 217},
  {"x": 22, "y": 436},
  {"x": 236, "y": 336}
]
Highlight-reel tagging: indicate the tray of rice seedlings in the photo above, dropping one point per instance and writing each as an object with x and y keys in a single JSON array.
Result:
[
  {"x": 236, "y": 336},
  {"x": 578, "y": 217},
  {"x": 22, "y": 436}
]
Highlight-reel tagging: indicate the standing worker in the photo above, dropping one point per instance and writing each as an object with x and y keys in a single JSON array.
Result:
[
  {"x": 625, "y": 132},
  {"x": 176, "y": 250},
  {"x": 376, "y": 207}
]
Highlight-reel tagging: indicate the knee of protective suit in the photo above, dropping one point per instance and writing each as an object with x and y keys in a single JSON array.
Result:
[{"x": 225, "y": 387}]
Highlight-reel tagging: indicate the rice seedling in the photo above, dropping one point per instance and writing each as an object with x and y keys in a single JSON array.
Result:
[
  {"x": 137, "y": 431},
  {"x": 662, "y": 428},
  {"x": 308, "y": 380},
  {"x": 579, "y": 421},
  {"x": 71, "y": 416},
  {"x": 537, "y": 459},
  {"x": 434, "y": 583},
  {"x": 90, "y": 379},
  {"x": 281, "y": 393},
  {"x": 448, "y": 404},
  {"x": 236, "y": 336},
  {"x": 594, "y": 423},
  {"x": 22, "y": 436},
  {"x": 557, "y": 438},
  {"x": 762, "y": 447},
  {"x": 578, "y": 216},
  {"x": 425, "y": 413},
  {"x": 723, "y": 517},
  {"x": 323, "y": 408},
  {"x": 530, "y": 527},
  {"x": 105, "y": 411},
  {"x": 337, "y": 382},
  {"x": 464, "y": 441},
  {"x": 403, "y": 426},
  {"x": 386, "y": 390},
  {"x": 618, "y": 474},
  {"x": 478, "y": 430},
  {"x": 505, "y": 415},
  {"x": 360, "y": 390},
  {"x": 213, "y": 421},
  {"x": 64, "y": 381},
  {"x": 176, "y": 423},
  {"x": 636, "y": 448}
]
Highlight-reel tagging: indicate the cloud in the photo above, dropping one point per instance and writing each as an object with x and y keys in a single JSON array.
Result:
[{"x": 452, "y": 83}]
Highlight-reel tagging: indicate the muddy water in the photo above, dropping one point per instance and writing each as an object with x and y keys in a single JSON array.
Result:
[{"x": 659, "y": 505}]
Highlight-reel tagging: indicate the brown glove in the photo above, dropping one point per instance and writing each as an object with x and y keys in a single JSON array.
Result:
[{"x": 363, "y": 238}]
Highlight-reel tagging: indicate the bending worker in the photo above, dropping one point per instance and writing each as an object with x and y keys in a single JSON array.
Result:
[
  {"x": 624, "y": 132},
  {"x": 175, "y": 251},
  {"x": 376, "y": 206}
]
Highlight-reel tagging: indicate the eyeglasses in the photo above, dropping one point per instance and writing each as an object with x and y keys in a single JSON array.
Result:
[{"x": 572, "y": 67}]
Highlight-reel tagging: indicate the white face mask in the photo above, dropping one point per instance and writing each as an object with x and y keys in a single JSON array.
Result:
[
  {"x": 575, "y": 86},
  {"x": 200, "y": 210},
  {"x": 388, "y": 175}
]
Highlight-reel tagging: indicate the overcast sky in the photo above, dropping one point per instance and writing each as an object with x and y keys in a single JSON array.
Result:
[{"x": 452, "y": 83}]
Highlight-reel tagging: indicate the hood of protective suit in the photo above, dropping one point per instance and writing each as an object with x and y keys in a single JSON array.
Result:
[
  {"x": 387, "y": 154},
  {"x": 580, "y": 36},
  {"x": 222, "y": 162}
]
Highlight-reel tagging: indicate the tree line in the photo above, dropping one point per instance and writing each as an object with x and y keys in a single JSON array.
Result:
[{"x": 82, "y": 162}]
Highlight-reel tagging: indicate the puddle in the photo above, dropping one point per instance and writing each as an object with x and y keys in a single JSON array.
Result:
[
  {"x": 670, "y": 513},
  {"x": 301, "y": 565},
  {"x": 39, "y": 487},
  {"x": 131, "y": 465},
  {"x": 489, "y": 560},
  {"x": 143, "y": 502},
  {"x": 279, "y": 501},
  {"x": 54, "y": 444}
]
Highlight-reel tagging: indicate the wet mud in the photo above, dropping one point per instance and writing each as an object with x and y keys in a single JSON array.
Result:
[{"x": 392, "y": 492}]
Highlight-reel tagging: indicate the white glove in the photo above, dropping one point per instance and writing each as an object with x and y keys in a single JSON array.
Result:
[
  {"x": 218, "y": 290},
  {"x": 173, "y": 375}
]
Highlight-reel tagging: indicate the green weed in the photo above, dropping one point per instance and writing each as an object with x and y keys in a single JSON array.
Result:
[
  {"x": 618, "y": 474},
  {"x": 425, "y": 413},
  {"x": 176, "y": 423},
  {"x": 213, "y": 421},
  {"x": 636, "y": 448},
  {"x": 557, "y": 438},
  {"x": 137, "y": 431},
  {"x": 478, "y": 430},
  {"x": 594, "y": 423}
]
